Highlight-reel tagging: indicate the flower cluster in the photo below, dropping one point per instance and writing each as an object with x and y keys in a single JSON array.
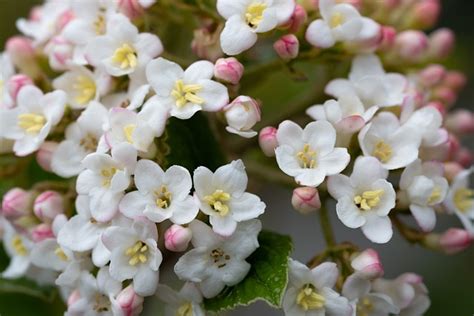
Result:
[{"x": 130, "y": 137}]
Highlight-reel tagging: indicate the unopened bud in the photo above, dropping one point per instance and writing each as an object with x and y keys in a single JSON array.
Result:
[
  {"x": 438, "y": 106},
  {"x": 47, "y": 205},
  {"x": 17, "y": 82},
  {"x": 411, "y": 45},
  {"x": 242, "y": 115},
  {"x": 287, "y": 47},
  {"x": 306, "y": 200},
  {"x": 451, "y": 170},
  {"x": 268, "y": 141},
  {"x": 446, "y": 95},
  {"x": 455, "y": 240},
  {"x": 441, "y": 43},
  {"x": 42, "y": 232},
  {"x": 297, "y": 20},
  {"x": 177, "y": 238},
  {"x": 60, "y": 53},
  {"x": 388, "y": 37},
  {"x": 206, "y": 43},
  {"x": 432, "y": 75},
  {"x": 426, "y": 13},
  {"x": 229, "y": 70},
  {"x": 368, "y": 264},
  {"x": 460, "y": 122},
  {"x": 455, "y": 80},
  {"x": 16, "y": 203},
  {"x": 44, "y": 155},
  {"x": 128, "y": 302},
  {"x": 23, "y": 55},
  {"x": 464, "y": 157}
]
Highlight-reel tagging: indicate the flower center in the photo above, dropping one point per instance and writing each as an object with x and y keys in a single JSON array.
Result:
[
  {"x": 31, "y": 123},
  {"x": 101, "y": 303},
  {"x": 89, "y": 143},
  {"x": 128, "y": 132},
  {"x": 108, "y": 174},
  {"x": 435, "y": 196},
  {"x": 219, "y": 257},
  {"x": 308, "y": 298},
  {"x": 217, "y": 201},
  {"x": 336, "y": 19},
  {"x": 364, "y": 307},
  {"x": 185, "y": 310},
  {"x": 163, "y": 197},
  {"x": 99, "y": 24},
  {"x": 19, "y": 246},
  {"x": 85, "y": 89},
  {"x": 184, "y": 93},
  {"x": 60, "y": 254},
  {"x": 125, "y": 56},
  {"x": 137, "y": 253},
  {"x": 368, "y": 199},
  {"x": 464, "y": 199},
  {"x": 307, "y": 157},
  {"x": 382, "y": 151},
  {"x": 254, "y": 14}
]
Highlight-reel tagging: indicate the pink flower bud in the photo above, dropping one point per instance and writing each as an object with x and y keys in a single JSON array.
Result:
[
  {"x": 20, "y": 48},
  {"x": 368, "y": 264},
  {"x": 388, "y": 37},
  {"x": 16, "y": 203},
  {"x": 306, "y": 200},
  {"x": 242, "y": 115},
  {"x": 268, "y": 141},
  {"x": 297, "y": 20},
  {"x": 451, "y": 170},
  {"x": 73, "y": 298},
  {"x": 460, "y": 122},
  {"x": 446, "y": 95},
  {"x": 47, "y": 205},
  {"x": 229, "y": 70},
  {"x": 177, "y": 238},
  {"x": 60, "y": 53},
  {"x": 17, "y": 82},
  {"x": 287, "y": 47},
  {"x": 455, "y": 80},
  {"x": 42, "y": 232},
  {"x": 44, "y": 155},
  {"x": 455, "y": 240},
  {"x": 453, "y": 145},
  {"x": 134, "y": 8},
  {"x": 464, "y": 157},
  {"x": 441, "y": 43},
  {"x": 206, "y": 43},
  {"x": 426, "y": 13},
  {"x": 128, "y": 302},
  {"x": 432, "y": 75},
  {"x": 411, "y": 45},
  {"x": 438, "y": 106},
  {"x": 64, "y": 19}
]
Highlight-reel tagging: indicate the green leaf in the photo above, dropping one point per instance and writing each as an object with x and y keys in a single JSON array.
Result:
[
  {"x": 267, "y": 279},
  {"x": 27, "y": 287}
]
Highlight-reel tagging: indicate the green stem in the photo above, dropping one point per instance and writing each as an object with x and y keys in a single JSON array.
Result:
[{"x": 326, "y": 227}]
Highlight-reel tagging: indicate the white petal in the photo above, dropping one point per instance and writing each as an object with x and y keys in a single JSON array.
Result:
[
  {"x": 319, "y": 34},
  {"x": 202, "y": 69},
  {"x": 378, "y": 229},
  {"x": 223, "y": 225},
  {"x": 425, "y": 216},
  {"x": 133, "y": 204},
  {"x": 79, "y": 234},
  {"x": 162, "y": 75},
  {"x": 145, "y": 281},
  {"x": 246, "y": 207},
  {"x": 335, "y": 162},
  {"x": 215, "y": 95},
  {"x": 349, "y": 213},
  {"x": 237, "y": 36},
  {"x": 325, "y": 275}
]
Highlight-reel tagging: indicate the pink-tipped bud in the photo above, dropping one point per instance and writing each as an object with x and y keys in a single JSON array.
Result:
[
  {"x": 206, "y": 43},
  {"x": 242, "y": 115},
  {"x": 455, "y": 80},
  {"x": 446, "y": 95},
  {"x": 306, "y": 200},
  {"x": 128, "y": 302},
  {"x": 451, "y": 170},
  {"x": 438, "y": 106},
  {"x": 297, "y": 20},
  {"x": 17, "y": 82},
  {"x": 432, "y": 75},
  {"x": 16, "y": 203},
  {"x": 44, "y": 155},
  {"x": 368, "y": 264},
  {"x": 411, "y": 45},
  {"x": 268, "y": 141},
  {"x": 134, "y": 8},
  {"x": 287, "y": 47},
  {"x": 464, "y": 157},
  {"x": 42, "y": 232},
  {"x": 229, "y": 70},
  {"x": 60, "y": 53},
  {"x": 47, "y": 205},
  {"x": 426, "y": 13},
  {"x": 441, "y": 43},
  {"x": 455, "y": 240},
  {"x": 64, "y": 19},
  {"x": 177, "y": 238},
  {"x": 73, "y": 298},
  {"x": 387, "y": 41},
  {"x": 460, "y": 122},
  {"x": 20, "y": 48}
]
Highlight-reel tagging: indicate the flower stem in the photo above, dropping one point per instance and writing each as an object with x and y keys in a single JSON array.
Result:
[{"x": 326, "y": 227}]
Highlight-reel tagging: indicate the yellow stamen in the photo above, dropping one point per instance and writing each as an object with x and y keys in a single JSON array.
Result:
[
  {"x": 163, "y": 199},
  {"x": 186, "y": 93},
  {"x": 307, "y": 157},
  {"x": 108, "y": 174},
  {"x": 368, "y": 199},
  {"x": 31, "y": 123},
  {"x": 217, "y": 201},
  {"x": 364, "y": 307},
  {"x": 435, "y": 196},
  {"x": 383, "y": 151},
  {"x": 125, "y": 56},
  {"x": 137, "y": 253},
  {"x": 89, "y": 143},
  {"x": 308, "y": 298},
  {"x": 85, "y": 89},
  {"x": 185, "y": 310},
  {"x": 128, "y": 131},
  {"x": 464, "y": 199},
  {"x": 100, "y": 24},
  {"x": 336, "y": 20},
  {"x": 19, "y": 246},
  {"x": 60, "y": 253},
  {"x": 254, "y": 14}
]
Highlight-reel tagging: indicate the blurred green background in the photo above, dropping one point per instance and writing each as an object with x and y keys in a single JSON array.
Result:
[{"x": 449, "y": 279}]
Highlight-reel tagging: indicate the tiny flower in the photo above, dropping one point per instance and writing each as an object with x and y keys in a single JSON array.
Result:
[
  {"x": 186, "y": 302},
  {"x": 309, "y": 155},
  {"x": 218, "y": 261},
  {"x": 455, "y": 240},
  {"x": 393, "y": 145},
  {"x": 183, "y": 93},
  {"x": 177, "y": 238},
  {"x": 161, "y": 194},
  {"x": 268, "y": 141},
  {"x": 48, "y": 205},
  {"x": 33, "y": 119},
  {"x": 135, "y": 255},
  {"x": 427, "y": 122},
  {"x": 245, "y": 19},
  {"x": 18, "y": 248},
  {"x": 222, "y": 196},
  {"x": 365, "y": 199},
  {"x": 367, "y": 264},
  {"x": 122, "y": 49},
  {"x": 44, "y": 155},
  {"x": 228, "y": 69},
  {"x": 460, "y": 199},
  {"x": 127, "y": 302},
  {"x": 106, "y": 178},
  {"x": 287, "y": 47},
  {"x": 425, "y": 187},
  {"x": 306, "y": 200},
  {"x": 241, "y": 115},
  {"x": 16, "y": 203},
  {"x": 310, "y": 292}
]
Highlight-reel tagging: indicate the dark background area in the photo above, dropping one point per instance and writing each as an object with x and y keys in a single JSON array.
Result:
[{"x": 450, "y": 279}]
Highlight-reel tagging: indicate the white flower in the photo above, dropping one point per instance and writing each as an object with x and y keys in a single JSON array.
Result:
[
  {"x": 32, "y": 120},
  {"x": 365, "y": 198},
  {"x": 161, "y": 195},
  {"x": 217, "y": 261},
  {"x": 222, "y": 196},
  {"x": 425, "y": 187},
  {"x": 427, "y": 122},
  {"x": 371, "y": 84},
  {"x": 246, "y": 18},
  {"x": 135, "y": 255},
  {"x": 310, "y": 292},
  {"x": 183, "y": 93},
  {"x": 393, "y": 145},
  {"x": 122, "y": 49},
  {"x": 460, "y": 199},
  {"x": 340, "y": 23},
  {"x": 186, "y": 302},
  {"x": 105, "y": 179},
  {"x": 82, "y": 86},
  {"x": 309, "y": 155},
  {"x": 18, "y": 249},
  {"x": 241, "y": 115},
  {"x": 81, "y": 139}
]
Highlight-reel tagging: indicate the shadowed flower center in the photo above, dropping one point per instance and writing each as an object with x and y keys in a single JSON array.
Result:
[
  {"x": 101, "y": 303},
  {"x": 125, "y": 57},
  {"x": 107, "y": 175},
  {"x": 435, "y": 196},
  {"x": 368, "y": 199},
  {"x": 163, "y": 197},
  {"x": 464, "y": 199},
  {"x": 184, "y": 93},
  {"x": 364, "y": 307},
  {"x": 137, "y": 253},
  {"x": 217, "y": 201},
  {"x": 31, "y": 123},
  {"x": 307, "y": 157},
  {"x": 60, "y": 254},
  {"x": 185, "y": 310},
  {"x": 100, "y": 24},
  {"x": 19, "y": 246},
  {"x": 89, "y": 143},
  {"x": 85, "y": 89},
  {"x": 254, "y": 14},
  {"x": 128, "y": 132},
  {"x": 383, "y": 151},
  {"x": 219, "y": 257},
  {"x": 308, "y": 298}
]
